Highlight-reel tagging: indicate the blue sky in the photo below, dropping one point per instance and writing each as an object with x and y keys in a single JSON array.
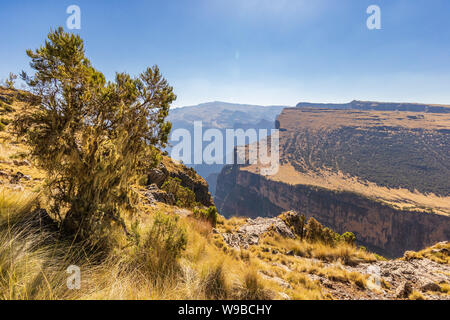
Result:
[{"x": 254, "y": 51}]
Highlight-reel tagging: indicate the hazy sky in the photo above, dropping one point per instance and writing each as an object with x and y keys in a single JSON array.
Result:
[{"x": 254, "y": 51}]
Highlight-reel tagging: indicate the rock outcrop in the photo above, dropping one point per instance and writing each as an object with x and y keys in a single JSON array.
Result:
[
  {"x": 253, "y": 229},
  {"x": 188, "y": 177}
]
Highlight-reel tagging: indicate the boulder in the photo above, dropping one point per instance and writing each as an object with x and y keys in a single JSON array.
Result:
[
  {"x": 154, "y": 194},
  {"x": 404, "y": 290},
  {"x": 431, "y": 286}
]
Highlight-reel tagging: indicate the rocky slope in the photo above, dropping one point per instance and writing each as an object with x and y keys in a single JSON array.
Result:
[{"x": 414, "y": 275}]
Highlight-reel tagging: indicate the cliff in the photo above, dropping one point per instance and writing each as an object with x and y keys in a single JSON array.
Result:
[
  {"x": 383, "y": 175},
  {"x": 378, "y": 226}
]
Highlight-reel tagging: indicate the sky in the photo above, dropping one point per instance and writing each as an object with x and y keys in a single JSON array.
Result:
[{"x": 263, "y": 52}]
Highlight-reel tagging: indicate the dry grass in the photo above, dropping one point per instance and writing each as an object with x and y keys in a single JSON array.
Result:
[
  {"x": 343, "y": 252},
  {"x": 416, "y": 295},
  {"x": 438, "y": 253},
  {"x": 33, "y": 265}
]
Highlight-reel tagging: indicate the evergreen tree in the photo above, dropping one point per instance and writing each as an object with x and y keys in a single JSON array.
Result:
[{"x": 93, "y": 137}]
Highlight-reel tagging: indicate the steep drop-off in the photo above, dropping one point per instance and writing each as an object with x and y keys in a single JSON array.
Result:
[
  {"x": 383, "y": 175},
  {"x": 378, "y": 226}
]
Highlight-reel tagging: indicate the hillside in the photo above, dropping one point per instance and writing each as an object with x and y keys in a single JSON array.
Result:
[
  {"x": 383, "y": 175},
  {"x": 174, "y": 250}
]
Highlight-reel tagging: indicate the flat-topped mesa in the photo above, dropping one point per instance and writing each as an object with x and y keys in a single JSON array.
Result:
[{"x": 380, "y": 106}]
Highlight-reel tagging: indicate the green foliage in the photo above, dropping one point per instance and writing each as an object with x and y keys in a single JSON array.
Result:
[
  {"x": 315, "y": 232},
  {"x": 209, "y": 214},
  {"x": 296, "y": 222},
  {"x": 348, "y": 237},
  {"x": 93, "y": 137},
  {"x": 184, "y": 197},
  {"x": 11, "y": 80},
  {"x": 163, "y": 245},
  {"x": 2, "y": 126}
]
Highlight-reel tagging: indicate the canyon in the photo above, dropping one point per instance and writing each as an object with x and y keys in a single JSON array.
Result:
[{"x": 382, "y": 175}]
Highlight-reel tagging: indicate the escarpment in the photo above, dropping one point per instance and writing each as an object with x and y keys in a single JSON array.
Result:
[
  {"x": 376, "y": 225},
  {"x": 382, "y": 175}
]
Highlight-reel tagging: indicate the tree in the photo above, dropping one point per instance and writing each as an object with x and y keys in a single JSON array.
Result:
[
  {"x": 94, "y": 138},
  {"x": 11, "y": 80}
]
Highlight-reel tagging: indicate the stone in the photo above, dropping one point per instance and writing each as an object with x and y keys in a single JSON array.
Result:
[
  {"x": 154, "y": 194},
  {"x": 431, "y": 286},
  {"x": 249, "y": 233},
  {"x": 404, "y": 290},
  {"x": 21, "y": 163}
]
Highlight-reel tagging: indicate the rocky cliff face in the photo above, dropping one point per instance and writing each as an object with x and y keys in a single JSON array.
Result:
[{"x": 378, "y": 226}]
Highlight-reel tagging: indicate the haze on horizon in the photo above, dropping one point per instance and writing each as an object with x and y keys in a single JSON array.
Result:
[{"x": 258, "y": 52}]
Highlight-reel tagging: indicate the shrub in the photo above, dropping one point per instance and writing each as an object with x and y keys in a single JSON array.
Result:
[
  {"x": 349, "y": 238},
  {"x": 315, "y": 232},
  {"x": 184, "y": 197},
  {"x": 93, "y": 138},
  {"x": 295, "y": 221},
  {"x": 11, "y": 80},
  {"x": 209, "y": 215}
]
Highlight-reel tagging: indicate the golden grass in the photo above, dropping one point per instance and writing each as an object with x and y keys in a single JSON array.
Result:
[
  {"x": 438, "y": 253},
  {"x": 416, "y": 295}
]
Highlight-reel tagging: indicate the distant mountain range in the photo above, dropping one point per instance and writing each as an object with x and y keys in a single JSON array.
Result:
[{"x": 222, "y": 116}]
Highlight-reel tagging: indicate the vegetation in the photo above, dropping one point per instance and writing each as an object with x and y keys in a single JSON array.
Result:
[
  {"x": 383, "y": 155},
  {"x": 184, "y": 197},
  {"x": 92, "y": 137},
  {"x": 11, "y": 80},
  {"x": 439, "y": 253},
  {"x": 92, "y": 140},
  {"x": 209, "y": 214}
]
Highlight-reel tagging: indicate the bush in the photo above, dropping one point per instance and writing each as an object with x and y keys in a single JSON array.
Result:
[
  {"x": 184, "y": 197},
  {"x": 315, "y": 232},
  {"x": 11, "y": 80},
  {"x": 163, "y": 245},
  {"x": 349, "y": 238},
  {"x": 209, "y": 215},
  {"x": 295, "y": 221}
]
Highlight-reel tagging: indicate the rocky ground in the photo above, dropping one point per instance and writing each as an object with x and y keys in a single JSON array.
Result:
[{"x": 386, "y": 279}]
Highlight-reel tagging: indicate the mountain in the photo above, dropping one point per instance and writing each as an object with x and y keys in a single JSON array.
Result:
[
  {"x": 383, "y": 175},
  {"x": 221, "y": 116}
]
